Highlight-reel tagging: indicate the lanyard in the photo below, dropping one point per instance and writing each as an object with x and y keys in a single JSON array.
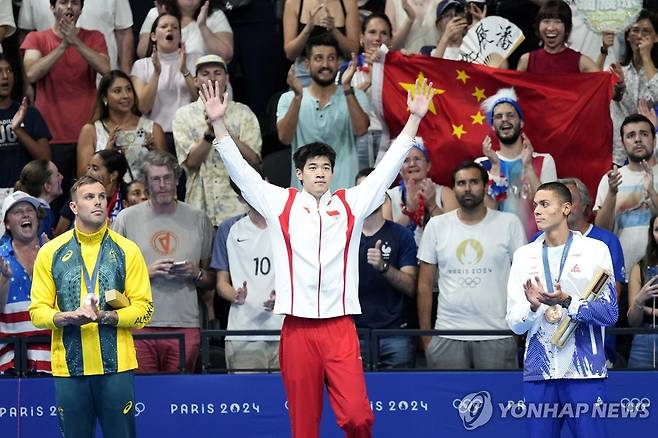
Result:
[
  {"x": 90, "y": 282},
  {"x": 563, "y": 260}
]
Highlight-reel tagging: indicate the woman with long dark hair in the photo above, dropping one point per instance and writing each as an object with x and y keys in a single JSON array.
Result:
[
  {"x": 108, "y": 166},
  {"x": 642, "y": 301},
  {"x": 117, "y": 124},
  {"x": 164, "y": 81},
  {"x": 638, "y": 85},
  {"x": 205, "y": 28}
]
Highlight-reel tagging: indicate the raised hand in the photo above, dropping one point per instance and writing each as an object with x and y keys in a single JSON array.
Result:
[
  {"x": 418, "y": 103},
  {"x": 182, "y": 65},
  {"x": 647, "y": 179},
  {"x": 5, "y": 269},
  {"x": 328, "y": 21},
  {"x": 428, "y": 192},
  {"x": 241, "y": 294},
  {"x": 294, "y": 82},
  {"x": 202, "y": 18},
  {"x": 214, "y": 101},
  {"x": 268, "y": 304},
  {"x": 160, "y": 6},
  {"x": 607, "y": 39},
  {"x": 533, "y": 292},
  {"x": 646, "y": 111},
  {"x": 647, "y": 292},
  {"x": 156, "y": 60},
  {"x": 526, "y": 151},
  {"x": 19, "y": 117},
  {"x": 614, "y": 179},
  {"x": 409, "y": 10},
  {"x": 487, "y": 150},
  {"x": 348, "y": 74},
  {"x": 374, "y": 256},
  {"x": 477, "y": 13}
]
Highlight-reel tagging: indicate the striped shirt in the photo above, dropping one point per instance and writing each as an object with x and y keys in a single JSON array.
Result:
[{"x": 15, "y": 318}]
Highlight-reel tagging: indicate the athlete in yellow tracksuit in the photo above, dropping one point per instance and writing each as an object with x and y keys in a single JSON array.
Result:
[{"x": 92, "y": 361}]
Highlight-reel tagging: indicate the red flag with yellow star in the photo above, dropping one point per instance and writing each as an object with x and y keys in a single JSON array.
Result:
[{"x": 567, "y": 116}]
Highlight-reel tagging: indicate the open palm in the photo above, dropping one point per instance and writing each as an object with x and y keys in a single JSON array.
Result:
[
  {"x": 214, "y": 102},
  {"x": 419, "y": 101}
]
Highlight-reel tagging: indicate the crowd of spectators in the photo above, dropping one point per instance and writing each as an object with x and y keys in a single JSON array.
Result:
[{"x": 110, "y": 89}]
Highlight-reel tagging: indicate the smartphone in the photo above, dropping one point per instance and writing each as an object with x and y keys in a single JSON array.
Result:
[
  {"x": 121, "y": 139},
  {"x": 140, "y": 138},
  {"x": 178, "y": 265}
]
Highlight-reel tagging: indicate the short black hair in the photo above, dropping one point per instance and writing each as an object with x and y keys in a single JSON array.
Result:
[
  {"x": 363, "y": 173},
  {"x": 556, "y": 9},
  {"x": 324, "y": 39},
  {"x": 82, "y": 3},
  {"x": 315, "y": 149},
  {"x": 471, "y": 165},
  {"x": 636, "y": 118},
  {"x": 563, "y": 193}
]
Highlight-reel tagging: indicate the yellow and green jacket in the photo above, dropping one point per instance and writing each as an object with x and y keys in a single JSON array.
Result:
[{"x": 58, "y": 286}]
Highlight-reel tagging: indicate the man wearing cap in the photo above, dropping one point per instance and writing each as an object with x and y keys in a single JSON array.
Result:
[
  {"x": 207, "y": 180},
  {"x": 516, "y": 170},
  {"x": 92, "y": 343},
  {"x": 18, "y": 251}
]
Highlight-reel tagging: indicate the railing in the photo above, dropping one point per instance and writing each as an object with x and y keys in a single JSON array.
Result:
[{"x": 369, "y": 337}]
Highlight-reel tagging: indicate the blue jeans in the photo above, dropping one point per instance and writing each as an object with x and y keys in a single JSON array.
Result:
[
  {"x": 642, "y": 351},
  {"x": 394, "y": 352}
]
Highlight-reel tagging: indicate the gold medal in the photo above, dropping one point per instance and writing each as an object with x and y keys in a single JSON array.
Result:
[{"x": 553, "y": 314}]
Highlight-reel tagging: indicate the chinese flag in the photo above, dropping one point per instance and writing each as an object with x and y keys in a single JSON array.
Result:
[{"x": 567, "y": 116}]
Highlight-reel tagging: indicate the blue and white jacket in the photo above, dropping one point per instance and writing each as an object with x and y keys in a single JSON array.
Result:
[{"x": 583, "y": 356}]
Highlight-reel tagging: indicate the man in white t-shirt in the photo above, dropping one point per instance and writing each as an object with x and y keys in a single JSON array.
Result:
[
  {"x": 627, "y": 198},
  {"x": 242, "y": 257},
  {"x": 515, "y": 170},
  {"x": 113, "y": 18},
  {"x": 472, "y": 248}
]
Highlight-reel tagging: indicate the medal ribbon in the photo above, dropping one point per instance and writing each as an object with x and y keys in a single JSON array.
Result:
[
  {"x": 90, "y": 281},
  {"x": 563, "y": 260}
]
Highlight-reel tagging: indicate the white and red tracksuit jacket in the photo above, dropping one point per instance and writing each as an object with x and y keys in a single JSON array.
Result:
[{"x": 315, "y": 246}]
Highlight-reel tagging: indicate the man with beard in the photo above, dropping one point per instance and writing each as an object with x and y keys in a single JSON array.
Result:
[
  {"x": 626, "y": 197},
  {"x": 472, "y": 249},
  {"x": 515, "y": 171},
  {"x": 323, "y": 111},
  {"x": 176, "y": 240}
]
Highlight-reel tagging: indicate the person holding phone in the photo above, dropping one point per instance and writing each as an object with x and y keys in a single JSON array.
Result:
[
  {"x": 176, "y": 240},
  {"x": 642, "y": 297},
  {"x": 116, "y": 123}
]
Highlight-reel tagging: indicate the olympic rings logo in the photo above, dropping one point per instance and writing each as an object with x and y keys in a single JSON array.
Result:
[
  {"x": 475, "y": 409},
  {"x": 469, "y": 281},
  {"x": 635, "y": 404}
]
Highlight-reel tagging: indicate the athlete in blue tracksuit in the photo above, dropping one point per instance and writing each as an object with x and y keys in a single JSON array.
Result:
[{"x": 547, "y": 279}]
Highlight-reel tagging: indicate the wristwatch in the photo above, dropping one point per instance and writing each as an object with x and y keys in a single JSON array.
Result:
[
  {"x": 604, "y": 50},
  {"x": 566, "y": 303},
  {"x": 384, "y": 268},
  {"x": 208, "y": 137}
]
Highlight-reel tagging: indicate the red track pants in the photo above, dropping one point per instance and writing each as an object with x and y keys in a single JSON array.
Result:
[{"x": 318, "y": 351}]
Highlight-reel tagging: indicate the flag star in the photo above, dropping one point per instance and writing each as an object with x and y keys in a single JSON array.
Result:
[
  {"x": 478, "y": 93},
  {"x": 477, "y": 118},
  {"x": 458, "y": 131},
  {"x": 462, "y": 76},
  {"x": 410, "y": 88}
]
